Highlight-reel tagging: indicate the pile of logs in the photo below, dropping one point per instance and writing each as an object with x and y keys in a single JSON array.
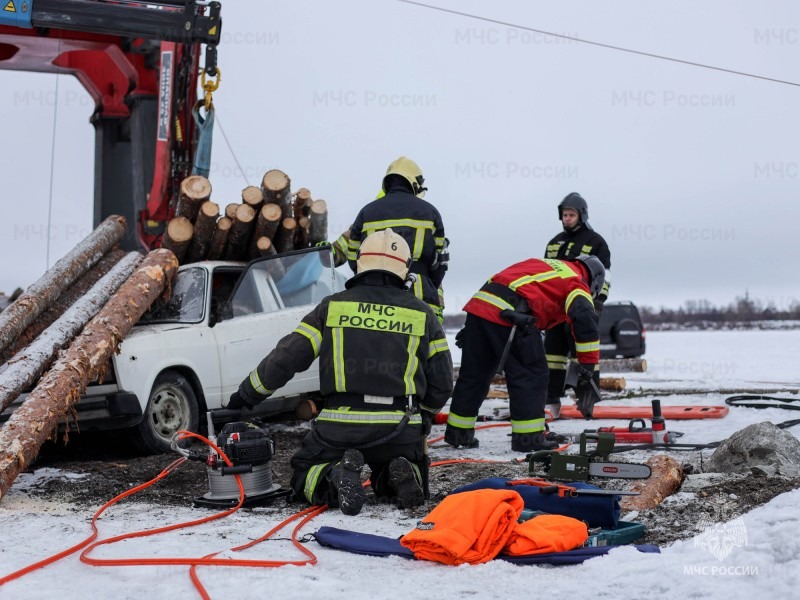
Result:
[
  {"x": 269, "y": 220},
  {"x": 70, "y": 321}
]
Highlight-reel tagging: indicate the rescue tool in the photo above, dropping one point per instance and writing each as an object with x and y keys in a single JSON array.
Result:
[
  {"x": 249, "y": 447},
  {"x": 585, "y": 464},
  {"x": 549, "y": 487},
  {"x": 637, "y": 431}
]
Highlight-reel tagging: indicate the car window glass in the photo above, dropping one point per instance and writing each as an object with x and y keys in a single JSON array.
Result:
[
  {"x": 295, "y": 279},
  {"x": 187, "y": 302}
]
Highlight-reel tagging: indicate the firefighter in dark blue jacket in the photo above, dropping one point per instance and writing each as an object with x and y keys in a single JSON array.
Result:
[
  {"x": 401, "y": 207},
  {"x": 385, "y": 370}
]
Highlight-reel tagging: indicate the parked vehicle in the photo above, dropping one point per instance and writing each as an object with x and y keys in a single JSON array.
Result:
[
  {"x": 186, "y": 355},
  {"x": 622, "y": 333}
]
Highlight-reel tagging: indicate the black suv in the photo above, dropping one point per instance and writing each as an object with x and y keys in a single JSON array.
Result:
[{"x": 621, "y": 331}]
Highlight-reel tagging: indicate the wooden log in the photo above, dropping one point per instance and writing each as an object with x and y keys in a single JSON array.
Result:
[
  {"x": 276, "y": 186},
  {"x": 177, "y": 237},
  {"x": 230, "y": 210},
  {"x": 612, "y": 384},
  {"x": 284, "y": 238},
  {"x": 306, "y": 409},
  {"x": 623, "y": 365},
  {"x": 203, "y": 231},
  {"x": 302, "y": 203},
  {"x": 195, "y": 190},
  {"x": 667, "y": 476},
  {"x": 64, "y": 301},
  {"x": 302, "y": 236},
  {"x": 41, "y": 294},
  {"x": 58, "y": 391},
  {"x": 219, "y": 239},
  {"x": 265, "y": 247},
  {"x": 253, "y": 196},
  {"x": 239, "y": 236},
  {"x": 267, "y": 223},
  {"x": 318, "y": 216},
  {"x": 24, "y": 369}
]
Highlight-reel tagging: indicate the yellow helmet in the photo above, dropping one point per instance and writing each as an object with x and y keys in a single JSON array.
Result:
[
  {"x": 384, "y": 251},
  {"x": 408, "y": 170}
]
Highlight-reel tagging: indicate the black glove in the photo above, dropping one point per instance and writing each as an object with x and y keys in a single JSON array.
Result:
[
  {"x": 598, "y": 304},
  {"x": 427, "y": 422},
  {"x": 586, "y": 392},
  {"x": 460, "y": 338},
  {"x": 526, "y": 324},
  {"x": 236, "y": 402}
]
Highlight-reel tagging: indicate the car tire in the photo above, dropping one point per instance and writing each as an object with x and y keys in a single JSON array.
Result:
[{"x": 172, "y": 407}]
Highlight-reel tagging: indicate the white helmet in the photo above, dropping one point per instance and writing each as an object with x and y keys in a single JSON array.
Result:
[{"x": 384, "y": 251}]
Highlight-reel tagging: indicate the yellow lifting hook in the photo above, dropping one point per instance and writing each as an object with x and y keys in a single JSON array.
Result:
[{"x": 210, "y": 86}]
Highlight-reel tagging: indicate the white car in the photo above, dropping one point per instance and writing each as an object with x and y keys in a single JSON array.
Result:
[{"x": 188, "y": 355}]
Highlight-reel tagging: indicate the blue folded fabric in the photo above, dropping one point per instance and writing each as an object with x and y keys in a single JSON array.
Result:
[
  {"x": 595, "y": 511},
  {"x": 379, "y": 545}
]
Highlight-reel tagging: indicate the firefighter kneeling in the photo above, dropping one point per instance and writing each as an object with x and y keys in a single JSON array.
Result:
[{"x": 384, "y": 369}]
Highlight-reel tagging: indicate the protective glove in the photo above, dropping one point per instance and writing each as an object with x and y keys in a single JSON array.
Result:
[
  {"x": 460, "y": 338},
  {"x": 598, "y": 304},
  {"x": 322, "y": 243},
  {"x": 236, "y": 402},
  {"x": 585, "y": 392},
  {"x": 526, "y": 324}
]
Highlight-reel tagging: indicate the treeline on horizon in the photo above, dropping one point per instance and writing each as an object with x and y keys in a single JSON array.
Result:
[{"x": 743, "y": 309}]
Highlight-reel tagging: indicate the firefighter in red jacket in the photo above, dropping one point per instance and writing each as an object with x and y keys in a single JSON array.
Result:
[
  {"x": 385, "y": 371},
  {"x": 535, "y": 295}
]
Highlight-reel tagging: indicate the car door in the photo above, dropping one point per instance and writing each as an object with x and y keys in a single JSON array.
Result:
[{"x": 270, "y": 299}]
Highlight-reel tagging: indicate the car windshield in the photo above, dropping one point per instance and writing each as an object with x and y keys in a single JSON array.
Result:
[
  {"x": 295, "y": 279},
  {"x": 187, "y": 302}
]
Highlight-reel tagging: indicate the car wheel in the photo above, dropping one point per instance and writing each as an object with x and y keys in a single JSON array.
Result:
[{"x": 172, "y": 407}]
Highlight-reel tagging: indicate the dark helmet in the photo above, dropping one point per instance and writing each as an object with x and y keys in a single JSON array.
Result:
[
  {"x": 576, "y": 202},
  {"x": 597, "y": 273}
]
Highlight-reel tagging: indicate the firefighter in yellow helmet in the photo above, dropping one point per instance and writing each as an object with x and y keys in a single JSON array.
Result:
[
  {"x": 384, "y": 371},
  {"x": 401, "y": 206}
]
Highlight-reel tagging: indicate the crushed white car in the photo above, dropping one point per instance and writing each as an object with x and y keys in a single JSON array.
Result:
[{"x": 188, "y": 355}]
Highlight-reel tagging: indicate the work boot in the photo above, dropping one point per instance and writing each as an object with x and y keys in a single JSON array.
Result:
[
  {"x": 460, "y": 438},
  {"x": 531, "y": 442},
  {"x": 403, "y": 479},
  {"x": 346, "y": 480},
  {"x": 553, "y": 407}
]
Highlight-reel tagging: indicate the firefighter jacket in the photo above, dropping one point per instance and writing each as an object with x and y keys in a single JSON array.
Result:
[
  {"x": 553, "y": 291},
  {"x": 377, "y": 345},
  {"x": 569, "y": 245},
  {"x": 420, "y": 224}
]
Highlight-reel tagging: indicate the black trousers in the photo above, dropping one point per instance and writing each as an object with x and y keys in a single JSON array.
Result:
[
  {"x": 525, "y": 369},
  {"x": 559, "y": 346}
]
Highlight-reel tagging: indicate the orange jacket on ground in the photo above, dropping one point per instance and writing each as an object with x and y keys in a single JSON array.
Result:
[
  {"x": 470, "y": 527},
  {"x": 546, "y": 533}
]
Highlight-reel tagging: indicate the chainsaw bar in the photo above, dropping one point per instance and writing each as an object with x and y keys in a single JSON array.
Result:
[{"x": 616, "y": 470}]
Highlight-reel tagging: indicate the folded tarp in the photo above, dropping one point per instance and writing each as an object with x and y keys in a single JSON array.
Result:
[
  {"x": 379, "y": 545},
  {"x": 595, "y": 511}
]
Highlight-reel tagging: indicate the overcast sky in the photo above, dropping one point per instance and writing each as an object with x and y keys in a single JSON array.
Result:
[{"x": 691, "y": 174}]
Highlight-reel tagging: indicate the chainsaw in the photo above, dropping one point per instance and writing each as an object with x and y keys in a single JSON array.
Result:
[{"x": 585, "y": 464}]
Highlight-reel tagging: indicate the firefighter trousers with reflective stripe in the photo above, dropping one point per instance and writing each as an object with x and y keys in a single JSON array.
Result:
[
  {"x": 525, "y": 370},
  {"x": 313, "y": 462},
  {"x": 559, "y": 347}
]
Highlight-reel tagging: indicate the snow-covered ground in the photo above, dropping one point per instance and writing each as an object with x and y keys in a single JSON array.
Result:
[{"x": 758, "y": 555}]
